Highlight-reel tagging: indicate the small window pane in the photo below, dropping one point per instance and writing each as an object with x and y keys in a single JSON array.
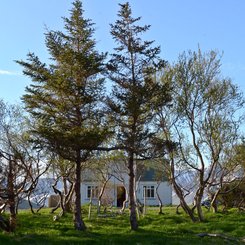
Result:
[
  {"x": 149, "y": 191},
  {"x": 92, "y": 190}
]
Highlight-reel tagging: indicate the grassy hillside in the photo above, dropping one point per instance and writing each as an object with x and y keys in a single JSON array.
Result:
[{"x": 168, "y": 228}]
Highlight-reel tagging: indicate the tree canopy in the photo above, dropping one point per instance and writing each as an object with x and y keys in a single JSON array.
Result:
[
  {"x": 132, "y": 69},
  {"x": 66, "y": 96}
]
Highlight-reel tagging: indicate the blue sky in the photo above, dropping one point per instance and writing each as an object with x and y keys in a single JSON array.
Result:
[{"x": 176, "y": 25}]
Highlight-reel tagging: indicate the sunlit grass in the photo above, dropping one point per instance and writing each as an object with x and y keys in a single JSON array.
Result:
[{"x": 167, "y": 228}]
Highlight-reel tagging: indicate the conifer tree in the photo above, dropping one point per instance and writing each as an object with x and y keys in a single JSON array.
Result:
[
  {"x": 65, "y": 96},
  {"x": 136, "y": 93}
]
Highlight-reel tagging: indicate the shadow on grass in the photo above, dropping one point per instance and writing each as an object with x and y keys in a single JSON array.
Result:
[
  {"x": 139, "y": 237},
  {"x": 154, "y": 229}
]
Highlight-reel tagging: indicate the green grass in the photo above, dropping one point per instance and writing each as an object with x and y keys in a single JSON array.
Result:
[{"x": 168, "y": 228}]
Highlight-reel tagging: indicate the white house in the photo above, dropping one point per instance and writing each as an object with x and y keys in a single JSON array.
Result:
[{"x": 117, "y": 189}]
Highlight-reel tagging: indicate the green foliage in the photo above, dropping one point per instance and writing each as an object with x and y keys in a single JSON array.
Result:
[
  {"x": 155, "y": 229},
  {"x": 237, "y": 155},
  {"x": 204, "y": 121},
  {"x": 132, "y": 69},
  {"x": 206, "y": 115},
  {"x": 233, "y": 194},
  {"x": 133, "y": 101},
  {"x": 65, "y": 96}
]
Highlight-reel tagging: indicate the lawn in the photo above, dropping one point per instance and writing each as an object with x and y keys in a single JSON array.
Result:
[{"x": 167, "y": 228}]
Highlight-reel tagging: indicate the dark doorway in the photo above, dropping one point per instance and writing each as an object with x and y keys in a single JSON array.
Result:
[{"x": 121, "y": 196}]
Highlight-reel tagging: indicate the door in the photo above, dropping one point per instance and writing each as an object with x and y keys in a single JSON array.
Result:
[{"x": 121, "y": 196}]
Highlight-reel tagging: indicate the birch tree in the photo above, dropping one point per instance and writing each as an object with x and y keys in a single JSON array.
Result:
[{"x": 203, "y": 121}]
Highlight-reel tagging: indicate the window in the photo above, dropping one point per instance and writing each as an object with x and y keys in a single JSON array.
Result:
[
  {"x": 92, "y": 190},
  {"x": 148, "y": 191}
]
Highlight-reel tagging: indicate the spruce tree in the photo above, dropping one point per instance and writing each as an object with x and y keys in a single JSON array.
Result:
[
  {"x": 65, "y": 96},
  {"x": 136, "y": 93}
]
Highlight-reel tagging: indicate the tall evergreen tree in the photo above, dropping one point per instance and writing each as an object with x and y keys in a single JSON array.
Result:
[
  {"x": 136, "y": 93},
  {"x": 64, "y": 98}
]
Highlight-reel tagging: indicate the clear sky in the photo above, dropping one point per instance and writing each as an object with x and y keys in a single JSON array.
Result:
[{"x": 176, "y": 25}]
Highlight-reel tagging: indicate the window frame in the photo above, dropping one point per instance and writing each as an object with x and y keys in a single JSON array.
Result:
[
  {"x": 150, "y": 189},
  {"x": 94, "y": 189}
]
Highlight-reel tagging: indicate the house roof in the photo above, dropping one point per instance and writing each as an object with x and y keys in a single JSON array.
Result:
[
  {"x": 150, "y": 174},
  {"x": 142, "y": 174}
]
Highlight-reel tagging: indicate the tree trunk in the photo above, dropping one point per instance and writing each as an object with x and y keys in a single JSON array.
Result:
[
  {"x": 213, "y": 203},
  {"x": 55, "y": 208},
  {"x": 180, "y": 193},
  {"x": 159, "y": 199},
  {"x": 2, "y": 208},
  {"x": 214, "y": 206},
  {"x": 67, "y": 195},
  {"x": 102, "y": 190},
  {"x": 132, "y": 199},
  {"x": 124, "y": 206},
  {"x": 199, "y": 211},
  {"x": 61, "y": 202},
  {"x": 198, "y": 200},
  {"x": 30, "y": 204},
  {"x": 125, "y": 201},
  {"x": 144, "y": 208},
  {"x": 77, "y": 216},
  {"x": 183, "y": 203},
  {"x": 90, "y": 205},
  {"x": 13, "y": 219},
  {"x": 65, "y": 204},
  {"x": 11, "y": 198},
  {"x": 177, "y": 209}
]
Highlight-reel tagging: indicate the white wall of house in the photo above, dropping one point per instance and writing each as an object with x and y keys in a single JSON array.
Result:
[
  {"x": 164, "y": 190},
  {"x": 111, "y": 190},
  {"x": 84, "y": 191}
]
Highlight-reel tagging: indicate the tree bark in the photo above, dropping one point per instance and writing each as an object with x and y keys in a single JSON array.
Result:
[
  {"x": 180, "y": 193},
  {"x": 68, "y": 198},
  {"x": 66, "y": 204},
  {"x": 11, "y": 198},
  {"x": 183, "y": 203},
  {"x": 132, "y": 199},
  {"x": 61, "y": 202},
  {"x": 55, "y": 208},
  {"x": 159, "y": 199},
  {"x": 198, "y": 200},
  {"x": 90, "y": 205},
  {"x": 124, "y": 206},
  {"x": 125, "y": 201},
  {"x": 77, "y": 216},
  {"x": 30, "y": 204},
  {"x": 213, "y": 203},
  {"x": 102, "y": 190}
]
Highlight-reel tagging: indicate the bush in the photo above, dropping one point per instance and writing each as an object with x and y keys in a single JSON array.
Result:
[
  {"x": 233, "y": 195},
  {"x": 53, "y": 201}
]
